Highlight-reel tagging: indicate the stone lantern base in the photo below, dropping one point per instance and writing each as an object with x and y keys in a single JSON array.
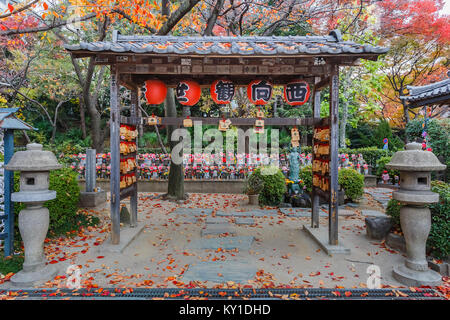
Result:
[
  {"x": 33, "y": 227},
  {"x": 413, "y": 278},
  {"x": 31, "y": 278},
  {"x": 416, "y": 223}
]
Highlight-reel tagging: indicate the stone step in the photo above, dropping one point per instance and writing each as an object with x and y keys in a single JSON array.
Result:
[
  {"x": 373, "y": 213},
  {"x": 252, "y": 213},
  {"x": 217, "y": 229},
  {"x": 220, "y": 271},
  {"x": 214, "y": 220},
  {"x": 193, "y": 211},
  {"x": 227, "y": 243},
  {"x": 245, "y": 221}
]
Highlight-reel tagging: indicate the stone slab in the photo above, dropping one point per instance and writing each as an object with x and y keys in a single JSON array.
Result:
[
  {"x": 187, "y": 219},
  {"x": 251, "y": 213},
  {"x": 379, "y": 190},
  {"x": 370, "y": 181},
  {"x": 214, "y": 220},
  {"x": 127, "y": 235},
  {"x": 92, "y": 199},
  {"x": 217, "y": 229},
  {"x": 346, "y": 212},
  {"x": 373, "y": 213},
  {"x": 245, "y": 221},
  {"x": 300, "y": 212},
  {"x": 320, "y": 235},
  {"x": 352, "y": 205},
  {"x": 396, "y": 242},
  {"x": 442, "y": 268},
  {"x": 193, "y": 211},
  {"x": 220, "y": 271},
  {"x": 227, "y": 243}
]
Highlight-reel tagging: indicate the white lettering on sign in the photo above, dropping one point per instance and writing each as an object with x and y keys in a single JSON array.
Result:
[{"x": 185, "y": 62}]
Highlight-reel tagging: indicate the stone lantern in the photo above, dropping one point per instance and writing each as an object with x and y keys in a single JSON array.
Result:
[
  {"x": 415, "y": 168},
  {"x": 34, "y": 165}
]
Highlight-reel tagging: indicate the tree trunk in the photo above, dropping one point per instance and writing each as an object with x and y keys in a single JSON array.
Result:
[
  {"x": 343, "y": 126},
  {"x": 406, "y": 118},
  {"x": 175, "y": 189},
  {"x": 82, "y": 119}
]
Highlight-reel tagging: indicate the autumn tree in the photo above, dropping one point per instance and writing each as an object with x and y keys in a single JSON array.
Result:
[{"x": 418, "y": 38}]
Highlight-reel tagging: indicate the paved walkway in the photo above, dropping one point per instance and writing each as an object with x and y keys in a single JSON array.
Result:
[{"x": 217, "y": 240}]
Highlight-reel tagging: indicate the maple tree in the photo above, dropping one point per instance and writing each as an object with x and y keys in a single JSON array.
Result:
[
  {"x": 415, "y": 24},
  {"x": 418, "y": 37}
]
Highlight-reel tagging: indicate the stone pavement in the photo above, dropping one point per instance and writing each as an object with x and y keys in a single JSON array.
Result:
[
  {"x": 261, "y": 247},
  {"x": 382, "y": 195},
  {"x": 224, "y": 230}
]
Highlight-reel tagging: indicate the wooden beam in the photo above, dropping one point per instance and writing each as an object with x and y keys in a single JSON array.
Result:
[
  {"x": 315, "y": 198},
  {"x": 234, "y": 121},
  {"x": 322, "y": 84},
  {"x": 134, "y": 196},
  {"x": 334, "y": 130},
  {"x": 207, "y": 80},
  {"x": 114, "y": 124}
]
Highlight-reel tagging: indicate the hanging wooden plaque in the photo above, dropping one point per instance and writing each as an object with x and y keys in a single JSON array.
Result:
[
  {"x": 259, "y": 123},
  {"x": 259, "y": 114},
  {"x": 153, "y": 120},
  {"x": 187, "y": 123},
  {"x": 224, "y": 125}
]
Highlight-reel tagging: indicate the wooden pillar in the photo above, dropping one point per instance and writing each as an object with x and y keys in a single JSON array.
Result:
[
  {"x": 134, "y": 196},
  {"x": 334, "y": 137},
  {"x": 315, "y": 199},
  {"x": 114, "y": 124},
  {"x": 8, "y": 183}
]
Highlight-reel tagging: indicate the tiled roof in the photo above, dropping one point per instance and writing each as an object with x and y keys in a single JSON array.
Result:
[
  {"x": 9, "y": 121},
  {"x": 432, "y": 90},
  {"x": 251, "y": 45}
]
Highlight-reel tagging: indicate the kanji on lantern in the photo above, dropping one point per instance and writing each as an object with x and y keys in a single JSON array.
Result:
[
  {"x": 188, "y": 92},
  {"x": 296, "y": 93},
  {"x": 222, "y": 91},
  {"x": 259, "y": 92},
  {"x": 155, "y": 91}
]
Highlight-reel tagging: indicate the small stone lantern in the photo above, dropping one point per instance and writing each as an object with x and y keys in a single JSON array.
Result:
[
  {"x": 34, "y": 165},
  {"x": 415, "y": 168}
]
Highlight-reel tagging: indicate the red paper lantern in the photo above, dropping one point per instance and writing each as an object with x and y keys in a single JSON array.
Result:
[
  {"x": 222, "y": 91},
  {"x": 259, "y": 92},
  {"x": 155, "y": 91},
  {"x": 296, "y": 93},
  {"x": 188, "y": 92}
]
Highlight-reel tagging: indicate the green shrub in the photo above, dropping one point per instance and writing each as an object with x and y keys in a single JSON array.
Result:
[
  {"x": 352, "y": 182},
  {"x": 11, "y": 264},
  {"x": 381, "y": 166},
  {"x": 64, "y": 215},
  {"x": 393, "y": 210},
  {"x": 253, "y": 185},
  {"x": 437, "y": 242},
  {"x": 274, "y": 187},
  {"x": 305, "y": 175},
  {"x": 438, "y": 137}
]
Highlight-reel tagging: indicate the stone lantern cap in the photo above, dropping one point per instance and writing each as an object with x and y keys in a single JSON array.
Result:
[
  {"x": 413, "y": 158},
  {"x": 33, "y": 159}
]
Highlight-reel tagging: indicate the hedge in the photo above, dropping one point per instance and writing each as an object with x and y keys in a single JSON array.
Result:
[{"x": 437, "y": 242}]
